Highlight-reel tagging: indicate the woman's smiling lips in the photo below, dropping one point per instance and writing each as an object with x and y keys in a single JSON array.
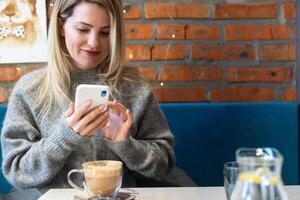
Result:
[{"x": 91, "y": 53}]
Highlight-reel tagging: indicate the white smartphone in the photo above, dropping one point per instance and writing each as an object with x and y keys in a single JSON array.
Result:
[{"x": 98, "y": 94}]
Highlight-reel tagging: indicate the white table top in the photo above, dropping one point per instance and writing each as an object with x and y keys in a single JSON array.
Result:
[{"x": 178, "y": 193}]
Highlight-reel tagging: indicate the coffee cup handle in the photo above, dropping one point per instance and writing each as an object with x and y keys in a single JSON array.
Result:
[{"x": 70, "y": 180}]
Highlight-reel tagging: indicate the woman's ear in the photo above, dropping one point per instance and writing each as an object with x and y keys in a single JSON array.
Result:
[{"x": 61, "y": 28}]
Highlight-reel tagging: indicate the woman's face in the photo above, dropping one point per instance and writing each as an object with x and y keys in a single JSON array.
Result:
[{"x": 86, "y": 34}]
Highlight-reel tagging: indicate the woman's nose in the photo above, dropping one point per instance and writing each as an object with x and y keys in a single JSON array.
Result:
[{"x": 93, "y": 40}]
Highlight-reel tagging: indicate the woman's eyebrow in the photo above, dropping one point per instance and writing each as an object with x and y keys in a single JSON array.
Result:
[{"x": 89, "y": 25}]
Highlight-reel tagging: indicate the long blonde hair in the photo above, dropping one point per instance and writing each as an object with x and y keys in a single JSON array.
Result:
[{"x": 55, "y": 82}]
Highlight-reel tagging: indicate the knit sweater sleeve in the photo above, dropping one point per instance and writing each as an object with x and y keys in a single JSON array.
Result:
[
  {"x": 29, "y": 159},
  {"x": 150, "y": 152}
]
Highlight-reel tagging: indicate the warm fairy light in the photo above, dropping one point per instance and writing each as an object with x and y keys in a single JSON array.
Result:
[
  {"x": 161, "y": 84},
  {"x": 173, "y": 35},
  {"x": 18, "y": 68},
  {"x": 51, "y": 4},
  {"x": 131, "y": 56},
  {"x": 124, "y": 11}
]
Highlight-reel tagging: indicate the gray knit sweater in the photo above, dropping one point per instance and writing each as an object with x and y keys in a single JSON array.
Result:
[{"x": 38, "y": 151}]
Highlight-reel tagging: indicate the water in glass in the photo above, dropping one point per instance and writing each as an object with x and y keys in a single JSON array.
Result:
[{"x": 259, "y": 175}]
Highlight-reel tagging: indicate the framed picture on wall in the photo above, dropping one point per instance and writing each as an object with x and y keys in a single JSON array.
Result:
[{"x": 23, "y": 31}]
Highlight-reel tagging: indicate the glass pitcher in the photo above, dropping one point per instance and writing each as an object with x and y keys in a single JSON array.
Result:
[{"x": 259, "y": 175}]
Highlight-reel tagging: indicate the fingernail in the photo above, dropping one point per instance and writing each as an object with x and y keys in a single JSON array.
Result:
[{"x": 101, "y": 107}]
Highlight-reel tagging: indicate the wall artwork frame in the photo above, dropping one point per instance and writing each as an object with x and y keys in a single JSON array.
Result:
[{"x": 23, "y": 31}]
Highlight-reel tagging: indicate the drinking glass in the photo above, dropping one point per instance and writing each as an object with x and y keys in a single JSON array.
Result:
[
  {"x": 102, "y": 179},
  {"x": 230, "y": 173}
]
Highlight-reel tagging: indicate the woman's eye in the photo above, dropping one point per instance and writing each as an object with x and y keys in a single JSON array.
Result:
[
  {"x": 104, "y": 33},
  {"x": 82, "y": 30}
]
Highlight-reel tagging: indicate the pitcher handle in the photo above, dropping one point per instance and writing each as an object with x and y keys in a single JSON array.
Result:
[{"x": 70, "y": 180}]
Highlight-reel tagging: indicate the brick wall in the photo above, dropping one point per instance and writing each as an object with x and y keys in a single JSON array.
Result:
[{"x": 202, "y": 50}]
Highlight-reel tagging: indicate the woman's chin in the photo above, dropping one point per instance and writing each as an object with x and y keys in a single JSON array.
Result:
[{"x": 86, "y": 66}]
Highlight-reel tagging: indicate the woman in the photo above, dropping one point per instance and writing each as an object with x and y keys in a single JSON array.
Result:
[{"x": 43, "y": 138}]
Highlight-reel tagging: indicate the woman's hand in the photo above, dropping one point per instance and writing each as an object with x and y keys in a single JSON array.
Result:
[
  {"x": 119, "y": 123},
  {"x": 86, "y": 124}
]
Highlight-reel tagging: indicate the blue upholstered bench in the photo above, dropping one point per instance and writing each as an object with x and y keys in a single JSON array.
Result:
[{"x": 208, "y": 134}]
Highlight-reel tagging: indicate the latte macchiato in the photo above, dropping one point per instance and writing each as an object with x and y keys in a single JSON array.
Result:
[{"x": 103, "y": 177}]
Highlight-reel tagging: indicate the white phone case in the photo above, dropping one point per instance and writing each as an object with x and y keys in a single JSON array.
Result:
[{"x": 98, "y": 94}]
